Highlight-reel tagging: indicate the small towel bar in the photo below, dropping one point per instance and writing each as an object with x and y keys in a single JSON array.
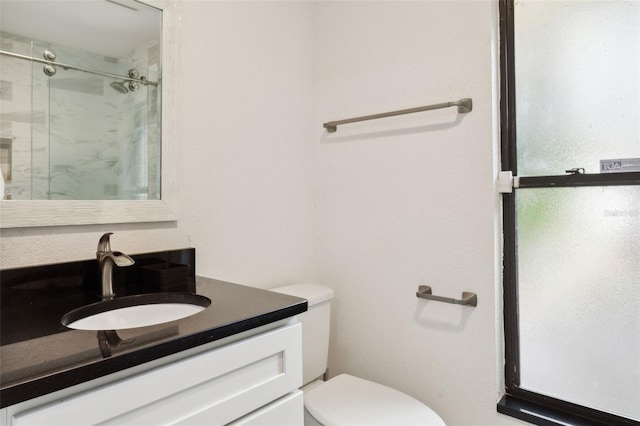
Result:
[{"x": 468, "y": 298}]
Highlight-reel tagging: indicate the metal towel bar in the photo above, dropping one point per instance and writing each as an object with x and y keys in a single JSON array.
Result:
[
  {"x": 464, "y": 105},
  {"x": 468, "y": 298}
]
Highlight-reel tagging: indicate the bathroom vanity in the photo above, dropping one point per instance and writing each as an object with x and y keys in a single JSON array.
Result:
[{"x": 239, "y": 361}]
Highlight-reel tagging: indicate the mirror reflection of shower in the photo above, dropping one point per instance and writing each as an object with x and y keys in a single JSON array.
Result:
[
  {"x": 89, "y": 134},
  {"x": 129, "y": 84},
  {"x": 95, "y": 128}
]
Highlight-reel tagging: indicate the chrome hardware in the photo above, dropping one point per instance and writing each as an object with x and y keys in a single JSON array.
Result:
[
  {"x": 49, "y": 55},
  {"x": 106, "y": 260},
  {"x": 49, "y": 70},
  {"x": 133, "y": 85},
  {"x": 133, "y": 73},
  {"x": 468, "y": 298}
]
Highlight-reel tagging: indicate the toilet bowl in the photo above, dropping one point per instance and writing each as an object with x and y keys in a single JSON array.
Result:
[{"x": 345, "y": 400}]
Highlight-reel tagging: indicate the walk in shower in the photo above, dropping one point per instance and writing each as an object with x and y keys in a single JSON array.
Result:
[{"x": 80, "y": 109}]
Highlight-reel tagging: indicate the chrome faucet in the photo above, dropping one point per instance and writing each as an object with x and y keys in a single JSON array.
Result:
[{"x": 106, "y": 260}]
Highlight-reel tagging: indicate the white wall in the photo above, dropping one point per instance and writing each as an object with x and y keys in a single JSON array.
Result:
[
  {"x": 411, "y": 200},
  {"x": 247, "y": 167},
  {"x": 374, "y": 210}
]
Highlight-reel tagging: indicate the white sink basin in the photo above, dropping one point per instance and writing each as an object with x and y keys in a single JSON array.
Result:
[{"x": 135, "y": 311}]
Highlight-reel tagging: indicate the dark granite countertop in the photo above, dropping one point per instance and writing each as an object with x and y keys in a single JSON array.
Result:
[{"x": 45, "y": 357}]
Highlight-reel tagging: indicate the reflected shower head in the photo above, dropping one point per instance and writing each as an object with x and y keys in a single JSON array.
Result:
[{"x": 119, "y": 87}]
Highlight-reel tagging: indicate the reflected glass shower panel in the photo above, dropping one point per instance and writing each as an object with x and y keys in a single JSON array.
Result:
[
  {"x": 84, "y": 141},
  {"x": 101, "y": 139},
  {"x": 15, "y": 124}
]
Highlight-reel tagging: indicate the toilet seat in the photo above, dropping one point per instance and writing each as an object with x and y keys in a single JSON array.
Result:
[{"x": 349, "y": 400}]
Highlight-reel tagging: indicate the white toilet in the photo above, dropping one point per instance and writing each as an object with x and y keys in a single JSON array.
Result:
[{"x": 345, "y": 400}]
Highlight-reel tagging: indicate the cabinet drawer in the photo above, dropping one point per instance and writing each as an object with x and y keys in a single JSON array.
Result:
[
  {"x": 287, "y": 411},
  {"x": 214, "y": 387}
]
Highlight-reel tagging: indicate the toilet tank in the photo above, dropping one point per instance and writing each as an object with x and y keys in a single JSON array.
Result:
[{"x": 315, "y": 327}]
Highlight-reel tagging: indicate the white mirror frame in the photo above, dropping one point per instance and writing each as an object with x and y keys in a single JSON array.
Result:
[{"x": 32, "y": 213}]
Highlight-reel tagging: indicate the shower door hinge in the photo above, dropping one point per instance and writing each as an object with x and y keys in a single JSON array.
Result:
[{"x": 507, "y": 181}]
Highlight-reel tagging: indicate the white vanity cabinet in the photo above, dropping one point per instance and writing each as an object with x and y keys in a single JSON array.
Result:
[{"x": 253, "y": 381}]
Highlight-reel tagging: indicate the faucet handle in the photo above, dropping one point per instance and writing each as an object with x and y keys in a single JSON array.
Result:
[
  {"x": 121, "y": 259},
  {"x": 104, "y": 244}
]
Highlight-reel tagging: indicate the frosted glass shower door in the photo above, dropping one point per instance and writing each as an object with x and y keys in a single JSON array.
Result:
[
  {"x": 572, "y": 224},
  {"x": 579, "y": 288}
]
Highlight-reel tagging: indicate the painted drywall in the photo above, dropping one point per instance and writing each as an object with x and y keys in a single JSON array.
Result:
[
  {"x": 247, "y": 167},
  {"x": 411, "y": 200}
]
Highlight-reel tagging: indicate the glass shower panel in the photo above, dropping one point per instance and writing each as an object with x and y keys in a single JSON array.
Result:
[
  {"x": 579, "y": 290},
  {"x": 15, "y": 121},
  {"x": 578, "y": 96},
  {"x": 83, "y": 138},
  {"x": 40, "y": 161},
  {"x": 101, "y": 139}
]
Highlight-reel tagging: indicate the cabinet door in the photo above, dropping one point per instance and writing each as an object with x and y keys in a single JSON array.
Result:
[
  {"x": 287, "y": 411},
  {"x": 214, "y": 387}
]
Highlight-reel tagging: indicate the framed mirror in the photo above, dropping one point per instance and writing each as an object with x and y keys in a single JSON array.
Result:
[{"x": 93, "y": 143}]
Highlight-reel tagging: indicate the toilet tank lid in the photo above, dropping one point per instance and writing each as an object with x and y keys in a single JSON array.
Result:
[{"x": 314, "y": 293}]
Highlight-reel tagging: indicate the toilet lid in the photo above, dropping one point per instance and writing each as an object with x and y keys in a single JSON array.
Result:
[{"x": 348, "y": 400}]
